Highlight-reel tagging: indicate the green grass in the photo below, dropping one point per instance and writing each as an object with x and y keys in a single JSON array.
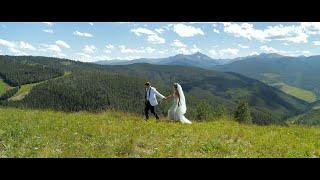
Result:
[
  {"x": 22, "y": 92},
  {"x": 300, "y": 93},
  {"x": 3, "y": 87},
  {"x": 46, "y": 133}
]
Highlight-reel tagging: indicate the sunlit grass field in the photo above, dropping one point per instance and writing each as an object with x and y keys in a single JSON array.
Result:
[
  {"x": 303, "y": 94},
  {"x": 46, "y": 133}
]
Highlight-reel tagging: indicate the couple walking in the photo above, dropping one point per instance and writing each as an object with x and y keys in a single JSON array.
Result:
[{"x": 175, "y": 112}]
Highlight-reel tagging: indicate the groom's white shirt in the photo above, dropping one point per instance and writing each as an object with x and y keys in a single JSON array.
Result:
[{"x": 152, "y": 98}]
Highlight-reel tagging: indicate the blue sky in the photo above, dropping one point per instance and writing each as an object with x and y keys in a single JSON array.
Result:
[{"x": 86, "y": 41}]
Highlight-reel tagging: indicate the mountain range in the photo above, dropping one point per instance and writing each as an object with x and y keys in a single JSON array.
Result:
[
  {"x": 297, "y": 76},
  {"x": 197, "y": 60}
]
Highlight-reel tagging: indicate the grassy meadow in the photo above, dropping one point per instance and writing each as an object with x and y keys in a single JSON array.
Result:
[
  {"x": 303, "y": 94},
  {"x": 46, "y": 133}
]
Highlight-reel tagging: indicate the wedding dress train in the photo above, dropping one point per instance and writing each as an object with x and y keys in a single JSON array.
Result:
[{"x": 178, "y": 108}]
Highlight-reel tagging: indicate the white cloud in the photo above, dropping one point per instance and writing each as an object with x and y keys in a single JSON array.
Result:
[
  {"x": 51, "y": 48},
  {"x": 229, "y": 51},
  {"x": 177, "y": 43},
  {"x": 224, "y": 53},
  {"x": 84, "y": 57},
  {"x": 168, "y": 27},
  {"x": 214, "y": 24},
  {"x": 91, "y": 24},
  {"x": 306, "y": 52},
  {"x": 124, "y": 49},
  {"x": 61, "y": 55},
  {"x": 130, "y": 57},
  {"x": 7, "y": 43},
  {"x": 17, "y": 52},
  {"x": 17, "y": 47},
  {"x": 254, "y": 53},
  {"x": 142, "y": 31},
  {"x": 25, "y": 45},
  {"x": 316, "y": 43},
  {"x": 216, "y": 31},
  {"x": 182, "y": 51},
  {"x": 159, "y": 30},
  {"x": 195, "y": 49},
  {"x": 149, "y": 50},
  {"x": 102, "y": 57},
  {"x": 291, "y": 33},
  {"x": 109, "y": 46},
  {"x": 82, "y": 34},
  {"x": 213, "y": 52},
  {"x": 107, "y": 51},
  {"x": 311, "y": 27},
  {"x": 142, "y": 50},
  {"x": 48, "y": 23},
  {"x": 50, "y": 31},
  {"x": 155, "y": 39},
  {"x": 152, "y": 36},
  {"x": 185, "y": 50},
  {"x": 186, "y": 31},
  {"x": 269, "y": 49},
  {"x": 243, "y": 46},
  {"x": 89, "y": 48},
  {"x": 162, "y": 51},
  {"x": 63, "y": 44}
]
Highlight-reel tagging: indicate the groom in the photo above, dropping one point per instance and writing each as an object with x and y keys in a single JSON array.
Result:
[{"x": 151, "y": 100}]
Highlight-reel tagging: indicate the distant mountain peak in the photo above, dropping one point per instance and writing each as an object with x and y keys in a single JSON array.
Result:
[
  {"x": 198, "y": 55},
  {"x": 270, "y": 55}
]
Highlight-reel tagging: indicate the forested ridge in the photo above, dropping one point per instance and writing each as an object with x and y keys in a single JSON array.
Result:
[
  {"x": 94, "y": 87},
  {"x": 17, "y": 72}
]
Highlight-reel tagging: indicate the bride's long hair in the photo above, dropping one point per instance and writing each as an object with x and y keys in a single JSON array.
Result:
[{"x": 182, "y": 100}]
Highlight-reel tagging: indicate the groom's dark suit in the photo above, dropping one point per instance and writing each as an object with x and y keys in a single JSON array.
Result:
[{"x": 150, "y": 94}]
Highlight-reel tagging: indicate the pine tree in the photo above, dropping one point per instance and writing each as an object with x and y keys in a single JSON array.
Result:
[
  {"x": 203, "y": 111},
  {"x": 242, "y": 113}
]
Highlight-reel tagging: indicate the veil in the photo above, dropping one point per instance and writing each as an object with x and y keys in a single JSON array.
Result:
[{"x": 182, "y": 104}]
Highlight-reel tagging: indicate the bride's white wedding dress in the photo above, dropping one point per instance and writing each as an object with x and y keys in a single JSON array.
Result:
[{"x": 178, "y": 108}]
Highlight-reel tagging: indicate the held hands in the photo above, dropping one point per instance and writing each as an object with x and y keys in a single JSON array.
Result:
[{"x": 166, "y": 98}]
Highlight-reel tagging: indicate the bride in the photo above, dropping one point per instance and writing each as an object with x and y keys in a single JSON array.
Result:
[{"x": 178, "y": 108}]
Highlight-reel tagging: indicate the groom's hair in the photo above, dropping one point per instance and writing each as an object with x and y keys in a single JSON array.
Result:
[{"x": 147, "y": 83}]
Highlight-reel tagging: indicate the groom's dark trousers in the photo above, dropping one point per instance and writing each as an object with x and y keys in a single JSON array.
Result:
[{"x": 151, "y": 108}]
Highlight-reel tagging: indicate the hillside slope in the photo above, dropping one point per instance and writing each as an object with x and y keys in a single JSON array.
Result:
[
  {"x": 35, "y": 133},
  {"x": 302, "y": 72}
]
